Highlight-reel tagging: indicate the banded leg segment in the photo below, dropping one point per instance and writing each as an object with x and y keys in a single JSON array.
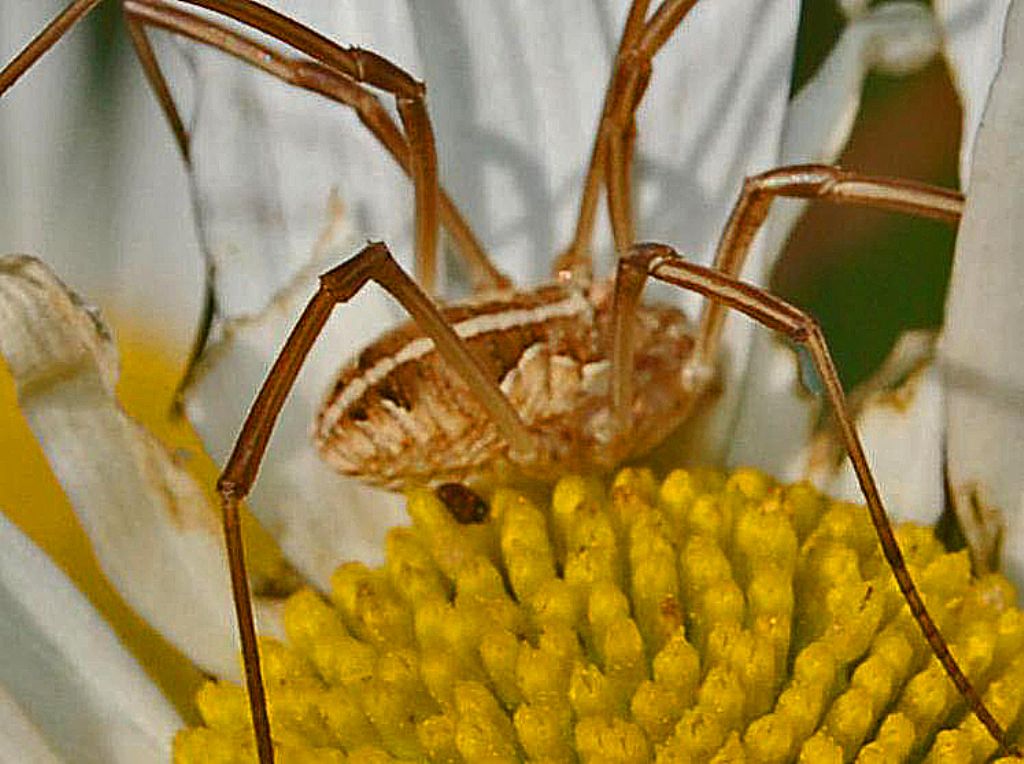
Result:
[
  {"x": 621, "y": 151},
  {"x": 663, "y": 263},
  {"x": 373, "y": 263},
  {"x": 611, "y": 158},
  {"x": 810, "y": 181}
]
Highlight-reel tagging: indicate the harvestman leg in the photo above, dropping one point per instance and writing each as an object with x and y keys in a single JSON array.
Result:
[
  {"x": 364, "y": 67},
  {"x": 612, "y": 154},
  {"x": 43, "y": 41},
  {"x": 373, "y": 263},
  {"x": 314, "y": 77},
  {"x": 809, "y": 181},
  {"x": 663, "y": 263}
]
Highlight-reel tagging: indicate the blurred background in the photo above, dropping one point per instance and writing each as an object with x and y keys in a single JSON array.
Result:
[{"x": 866, "y": 275}]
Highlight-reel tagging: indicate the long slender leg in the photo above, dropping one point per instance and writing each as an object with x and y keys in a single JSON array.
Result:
[
  {"x": 663, "y": 263},
  {"x": 621, "y": 145},
  {"x": 373, "y": 70},
  {"x": 373, "y": 263},
  {"x": 576, "y": 258},
  {"x": 808, "y": 182},
  {"x": 158, "y": 84},
  {"x": 338, "y": 87},
  {"x": 43, "y": 41},
  {"x": 622, "y": 125},
  {"x": 611, "y": 157}
]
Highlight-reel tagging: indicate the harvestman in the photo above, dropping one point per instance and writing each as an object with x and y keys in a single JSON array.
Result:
[{"x": 593, "y": 426}]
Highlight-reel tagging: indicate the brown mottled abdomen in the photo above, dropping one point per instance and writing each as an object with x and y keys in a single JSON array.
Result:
[{"x": 397, "y": 414}]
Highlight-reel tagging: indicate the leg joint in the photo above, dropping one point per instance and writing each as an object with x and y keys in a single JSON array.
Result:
[
  {"x": 377, "y": 71},
  {"x": 344, "y": 280},
  {"x": 646, "y": 256},
  {"x": 802, "y": 181},
  {"x": 801, "y": 327}
]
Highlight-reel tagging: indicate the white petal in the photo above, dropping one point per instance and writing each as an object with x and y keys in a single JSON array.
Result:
[
  {"x": 974, "y": 34},
  {"x": 899, "y": 417},
  {"x": 149, "y": 524},
  {"x": 66, "y": 670},
  {"x": 20, "y": 739},
  {"x": 318, "y": 517},
  {"x": 982, "y": 352},
  {"x": 853, "y": 8},
  {"x": 777, "y": 413}
]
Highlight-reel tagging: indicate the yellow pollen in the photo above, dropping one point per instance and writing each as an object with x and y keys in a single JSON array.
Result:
[{"x": 712, "y": 617}]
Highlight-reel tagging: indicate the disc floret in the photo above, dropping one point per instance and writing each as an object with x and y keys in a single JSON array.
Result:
[{"x": 708, "y": 617}]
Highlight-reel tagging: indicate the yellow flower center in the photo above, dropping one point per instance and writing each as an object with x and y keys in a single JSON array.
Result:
[{"x": 713, "y": 617}]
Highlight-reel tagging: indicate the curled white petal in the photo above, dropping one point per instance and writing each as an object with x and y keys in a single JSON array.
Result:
[
  {"x": 149, "y": 524},
  {"x": 64, "y": 672},
  {"x": 896, "y": 37},
  {"x": 981, "y": 351}
]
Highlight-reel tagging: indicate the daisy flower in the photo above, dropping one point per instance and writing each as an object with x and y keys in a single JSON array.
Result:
[{"x": 284, "y": 189}]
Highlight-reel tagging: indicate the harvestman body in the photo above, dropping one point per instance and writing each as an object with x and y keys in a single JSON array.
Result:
[
  {"x": 576, "y": 373},
  {"x": 397, "y": 414}
]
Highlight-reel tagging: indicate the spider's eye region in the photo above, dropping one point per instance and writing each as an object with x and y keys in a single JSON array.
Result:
[{"x": 464, "y": 504}]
